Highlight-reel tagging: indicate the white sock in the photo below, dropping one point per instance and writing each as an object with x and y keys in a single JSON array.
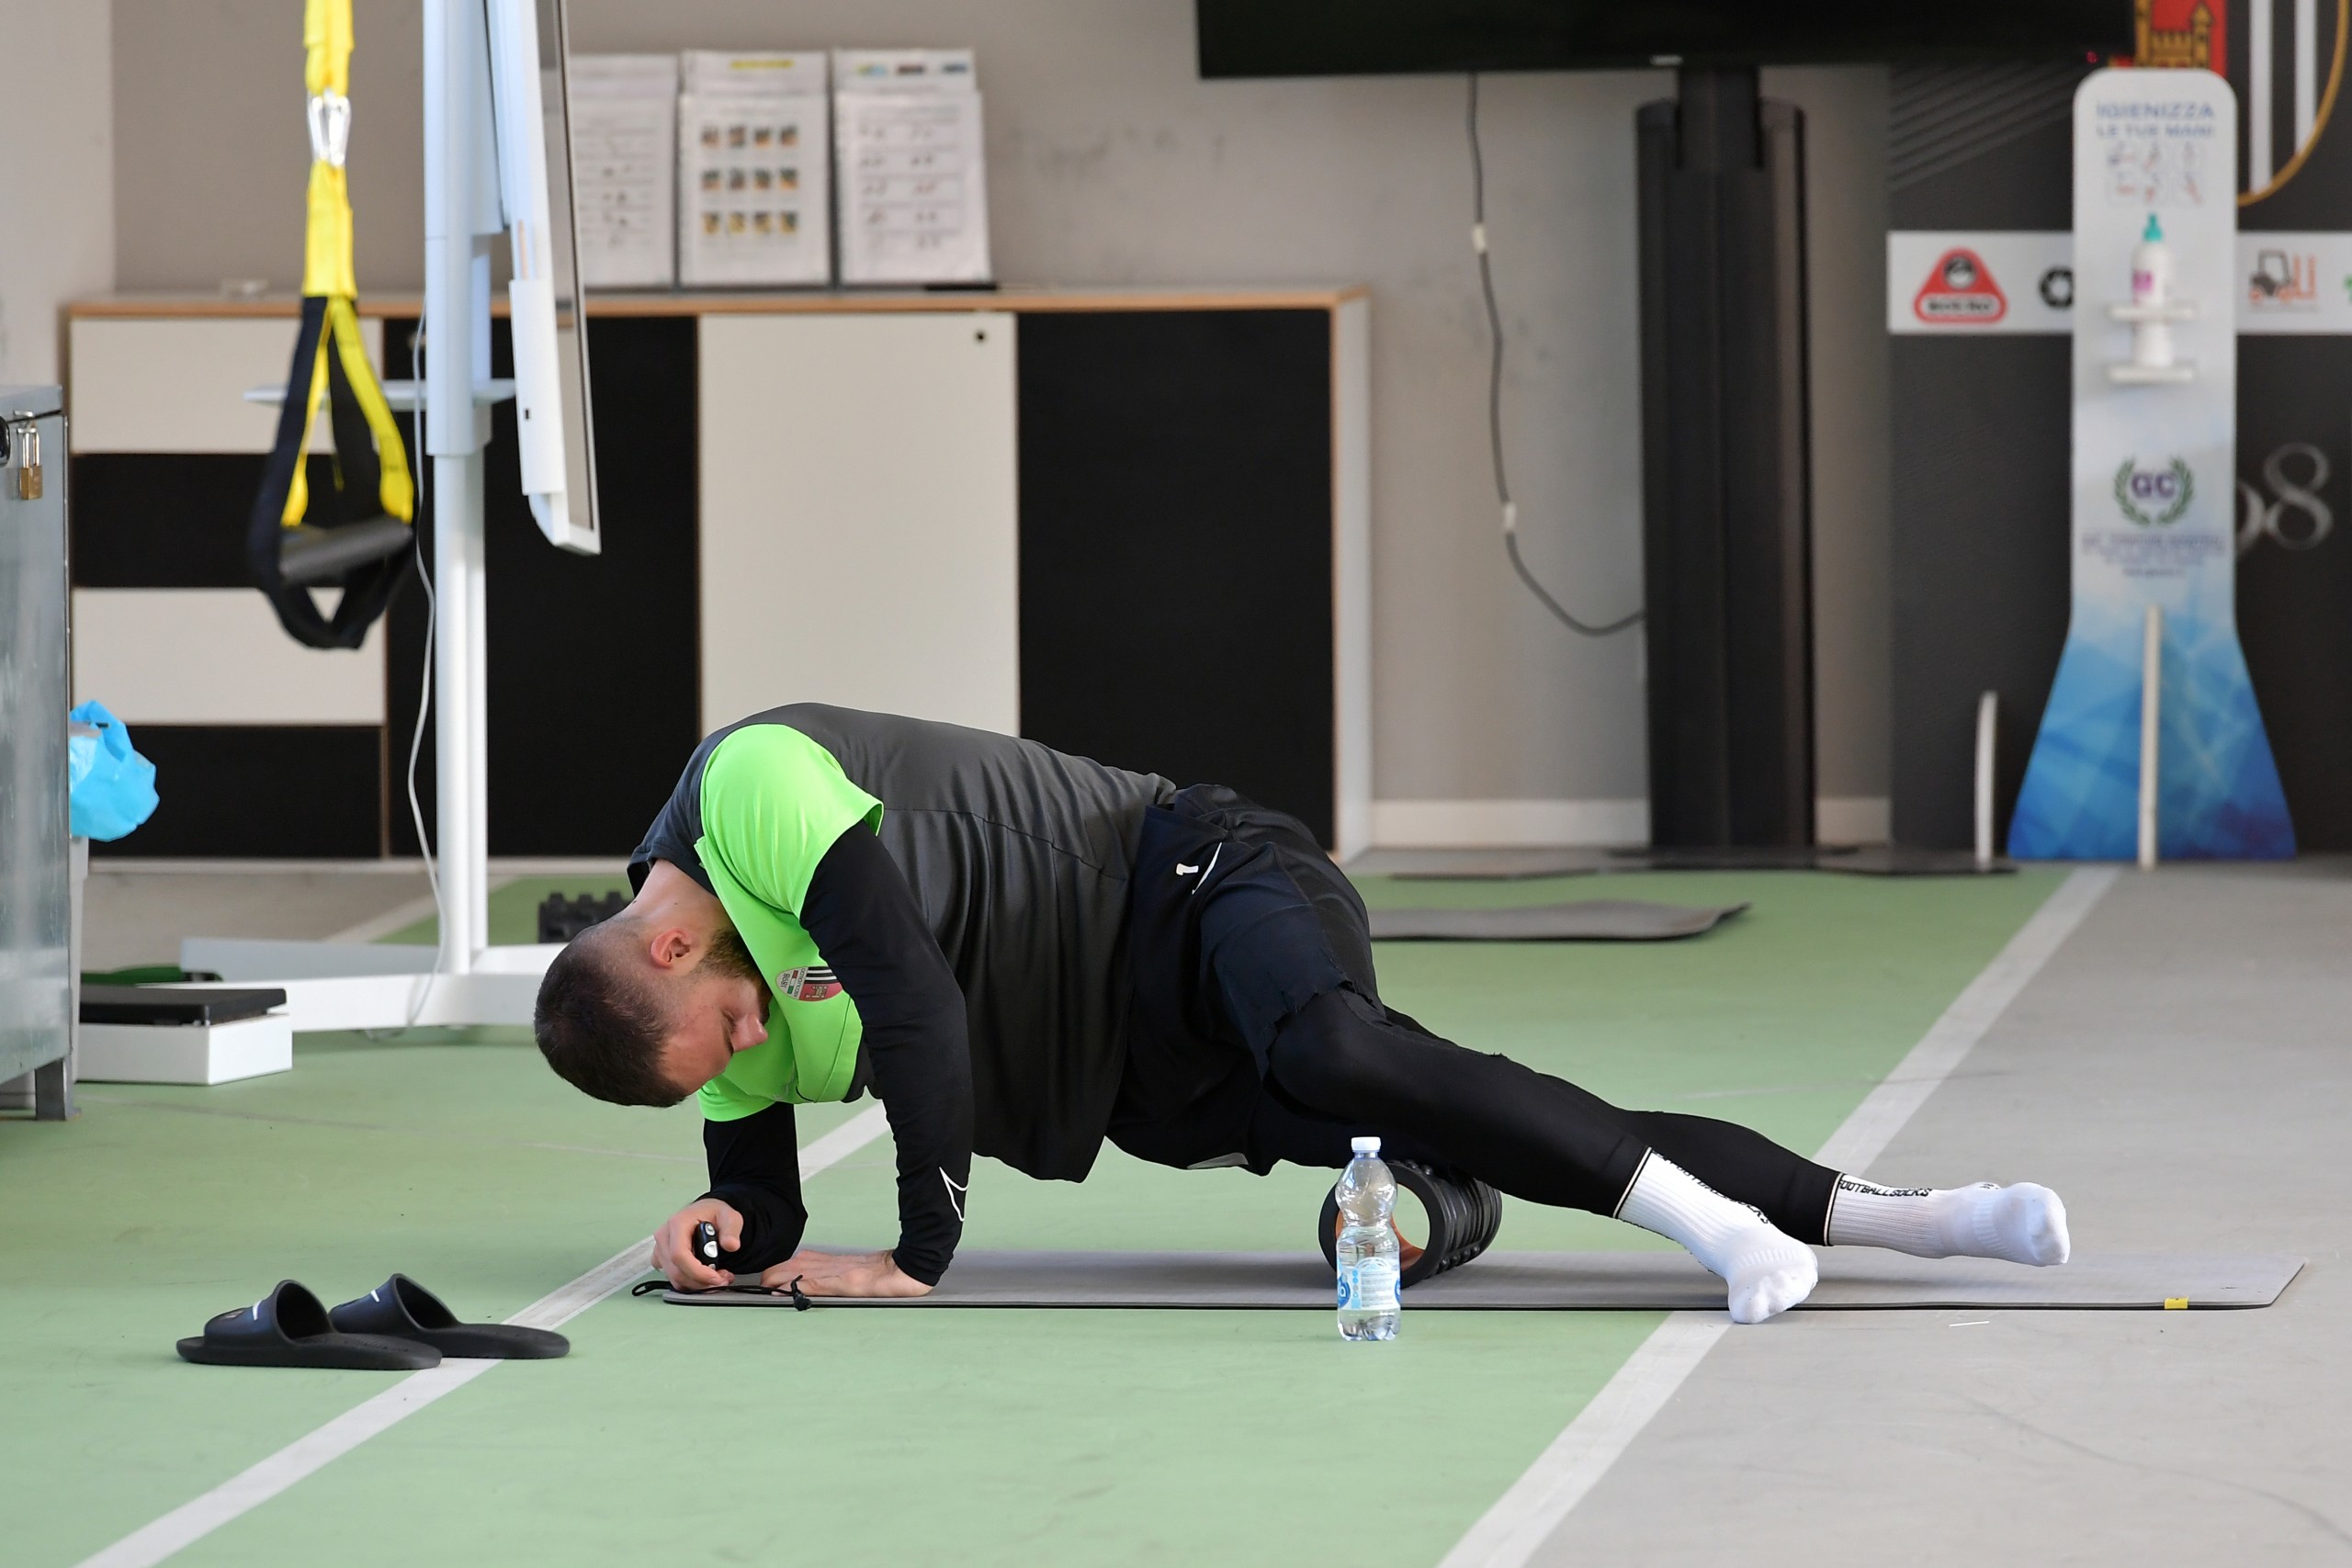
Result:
[
  {"x": 1766, "y": 1271},
  {"x": 2024, "y": 1224}
]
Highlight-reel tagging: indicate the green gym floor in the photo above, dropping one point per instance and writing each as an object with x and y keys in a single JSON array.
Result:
[{"x": 856, "y": 1438}]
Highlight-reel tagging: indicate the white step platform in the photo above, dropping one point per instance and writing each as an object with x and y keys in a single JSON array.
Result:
[
  {"x": 378, "y": 985},
  {"x": 186, "y": 1053}
]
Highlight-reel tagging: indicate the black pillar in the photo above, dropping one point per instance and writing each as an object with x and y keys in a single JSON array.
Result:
[{"x": 1727, "y": 480}]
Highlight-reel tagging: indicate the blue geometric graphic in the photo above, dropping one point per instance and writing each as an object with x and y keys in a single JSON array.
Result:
[{"x": 2218, "y": 796}]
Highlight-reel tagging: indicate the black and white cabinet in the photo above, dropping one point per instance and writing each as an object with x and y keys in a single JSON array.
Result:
[{"x": 1132, "y": 525}]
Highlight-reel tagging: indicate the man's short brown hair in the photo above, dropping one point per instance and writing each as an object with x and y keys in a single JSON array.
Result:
[{"x": 599, "y": 1026}]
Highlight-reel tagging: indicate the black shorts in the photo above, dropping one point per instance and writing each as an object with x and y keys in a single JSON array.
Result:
[{"x": 1237, "y": 919}]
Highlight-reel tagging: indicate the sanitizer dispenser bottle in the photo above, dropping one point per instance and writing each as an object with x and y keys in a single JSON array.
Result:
[{"x": 2152, "y": 290}]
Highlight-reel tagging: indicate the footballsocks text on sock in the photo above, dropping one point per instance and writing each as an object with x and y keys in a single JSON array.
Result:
[{"x": 2023, "y": 1224}]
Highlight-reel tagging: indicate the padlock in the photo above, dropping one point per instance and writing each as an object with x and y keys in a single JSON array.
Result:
[{"x": 29, "y": 462}]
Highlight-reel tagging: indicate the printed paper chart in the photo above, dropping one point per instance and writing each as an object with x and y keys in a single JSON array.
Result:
[
  {"x": 623, "y": 124},
  {"x": 914, "y": 181},
  {"x": 755, "y": 200}
]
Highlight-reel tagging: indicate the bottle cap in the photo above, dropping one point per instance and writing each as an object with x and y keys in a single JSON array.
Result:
[
  {"x": 2154, "y": 230},
  {"x": 1365, "y": 1145}
]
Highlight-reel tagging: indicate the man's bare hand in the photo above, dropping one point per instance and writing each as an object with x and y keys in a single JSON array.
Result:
[
  {"x": 674, "y": 1244},
  {"x": 843, "y": 1274}
]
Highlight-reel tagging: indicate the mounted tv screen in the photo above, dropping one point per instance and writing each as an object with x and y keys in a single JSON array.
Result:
[{"x": 1353, "y": 38}]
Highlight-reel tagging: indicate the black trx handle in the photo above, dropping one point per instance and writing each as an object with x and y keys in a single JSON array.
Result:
[
  {"x": 357, "y": 541},
  {"x": 1465, "y": 1215}
]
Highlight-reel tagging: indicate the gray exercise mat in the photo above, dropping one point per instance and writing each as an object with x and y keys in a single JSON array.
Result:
[
  {"x": 1852, "y": 1279},
  {"x": 1591, "y": 920}
]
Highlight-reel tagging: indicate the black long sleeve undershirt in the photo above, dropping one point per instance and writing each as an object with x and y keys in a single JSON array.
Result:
[
  {"x": 755, "y": 1166},
  {"x": 866, "y": 922}
]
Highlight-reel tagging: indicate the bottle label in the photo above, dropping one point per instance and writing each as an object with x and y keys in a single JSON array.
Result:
[{"x": 1369, "y": 1286}]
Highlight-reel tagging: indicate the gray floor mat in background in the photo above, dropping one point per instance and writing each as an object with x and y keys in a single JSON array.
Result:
[
  {"x": 1591, "y": 920},
  {"x": 1523, "y": 865},
  {"x": 1515, "y": 867}
]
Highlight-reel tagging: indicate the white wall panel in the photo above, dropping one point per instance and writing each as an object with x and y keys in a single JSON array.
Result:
[
  {"x": 1508, "y": 824},
  {"x": 57, "y": 218},
  {"x": 859, "y": 530},
  {"x": 215, "y": 656},
  {"x": 141, "y": 384}
]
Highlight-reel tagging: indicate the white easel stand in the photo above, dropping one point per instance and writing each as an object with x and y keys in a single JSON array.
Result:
[{"x": 466, "y": 982}]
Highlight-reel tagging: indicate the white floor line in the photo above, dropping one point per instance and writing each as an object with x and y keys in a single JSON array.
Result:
[
  {"x": 199, "y": 1517},
  {"x": 1526, "y": 1515},
  {"x": 844, "y": 1141},
  {"x": 1541, "y": 1500}
]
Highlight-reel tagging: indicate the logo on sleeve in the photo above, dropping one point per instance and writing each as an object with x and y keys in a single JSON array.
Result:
[{"x": 812, "y": 983}]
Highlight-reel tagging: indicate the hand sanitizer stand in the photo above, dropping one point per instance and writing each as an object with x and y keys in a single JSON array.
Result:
[{"x": 2154, "y": 453}]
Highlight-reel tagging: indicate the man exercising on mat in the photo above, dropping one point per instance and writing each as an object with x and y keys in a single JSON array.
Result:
[{"x": 1021, "y": 954}]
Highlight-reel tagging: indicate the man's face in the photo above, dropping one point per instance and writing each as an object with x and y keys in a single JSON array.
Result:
[{"x": 719, "y": 1006}]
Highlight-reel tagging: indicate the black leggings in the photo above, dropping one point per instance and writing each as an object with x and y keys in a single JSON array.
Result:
[
  {"x": 1273, "y": 942},
  {"x": 1344, "y": 1065}
]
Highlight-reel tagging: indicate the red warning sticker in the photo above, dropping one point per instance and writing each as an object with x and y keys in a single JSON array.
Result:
[{"x": 1960, "y": 292}]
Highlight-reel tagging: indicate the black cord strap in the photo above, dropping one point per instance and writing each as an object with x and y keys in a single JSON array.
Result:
[
  {"x": 1495, "y": 394},
  {"x": 800, "y": 1301}
]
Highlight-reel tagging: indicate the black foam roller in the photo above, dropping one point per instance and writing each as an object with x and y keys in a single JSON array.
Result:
[{"x": 1465, "y": 1216}]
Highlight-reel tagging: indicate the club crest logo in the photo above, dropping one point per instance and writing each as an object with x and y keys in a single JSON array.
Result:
[
  {"x": 812, "y": 983},
  {"x": 2155, "y": 497},
  {"x": 2287, "y": 64}
]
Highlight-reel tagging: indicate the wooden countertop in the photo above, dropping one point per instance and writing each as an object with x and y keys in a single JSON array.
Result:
[{"x": 781, "y": 302}]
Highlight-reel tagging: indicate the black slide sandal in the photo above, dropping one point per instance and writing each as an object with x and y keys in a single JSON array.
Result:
[
  {"x": 290, "y": 1328},
  {"x": 400, "y": 1308}
]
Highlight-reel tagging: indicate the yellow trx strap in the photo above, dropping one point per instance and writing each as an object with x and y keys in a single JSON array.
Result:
[
  {"x": 326, "y": 264},
  {"x": 360, "y": 537}
]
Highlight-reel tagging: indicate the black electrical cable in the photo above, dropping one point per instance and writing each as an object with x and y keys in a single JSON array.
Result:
[{"x": 1495, "y": 393}]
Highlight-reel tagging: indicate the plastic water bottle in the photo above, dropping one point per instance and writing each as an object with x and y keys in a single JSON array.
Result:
[{"x": 1368, "y": 1265}]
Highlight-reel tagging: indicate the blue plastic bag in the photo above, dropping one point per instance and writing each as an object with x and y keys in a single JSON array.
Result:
[{"x": 112, "y": 788}]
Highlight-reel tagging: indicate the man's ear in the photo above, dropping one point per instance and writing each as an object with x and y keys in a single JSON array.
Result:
[{"x": 671, "y": 948}]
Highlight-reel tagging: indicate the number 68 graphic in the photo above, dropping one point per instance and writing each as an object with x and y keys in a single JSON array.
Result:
[{"x": 2259, "y": 517}]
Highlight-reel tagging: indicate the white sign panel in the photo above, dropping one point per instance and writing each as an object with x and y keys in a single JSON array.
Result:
[
  {"x": 1958, "y": 283},
  {"x": 1972, "y": 283}
]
